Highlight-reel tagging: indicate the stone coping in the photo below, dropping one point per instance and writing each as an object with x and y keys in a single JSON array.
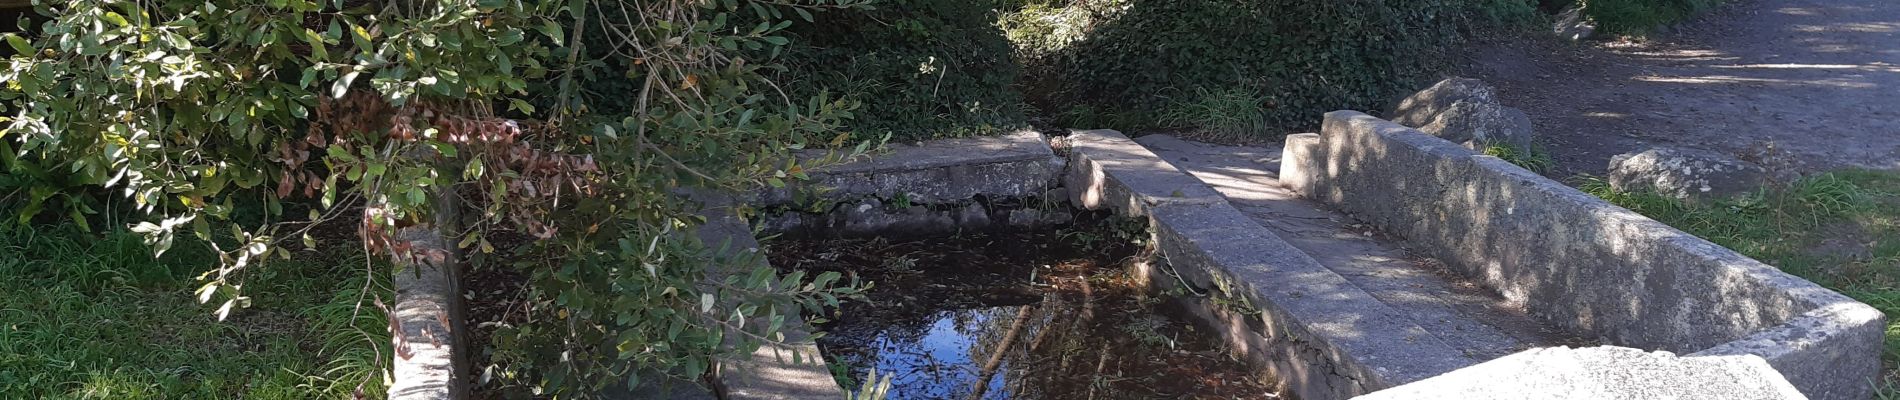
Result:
[
  {"x": 430, "y": 361},
  {"x": 1606, "y": 372},
  {"x": 1019, "y": 164},
  {"x": 1582, "y": 263}
]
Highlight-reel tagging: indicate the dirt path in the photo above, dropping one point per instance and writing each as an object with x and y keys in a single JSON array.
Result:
[{"x": 1819, "y": 79}]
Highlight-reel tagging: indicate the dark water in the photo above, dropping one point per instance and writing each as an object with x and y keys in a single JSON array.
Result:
[
  {"x": 1034, "y": 315},
  {"x": 944, "y": 360}
]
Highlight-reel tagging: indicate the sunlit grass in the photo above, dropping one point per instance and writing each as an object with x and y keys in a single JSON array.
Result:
[
  {"x": 95, "y": 316},
  {"x": 1221, "y": 115},
  {"x": 1839, "y": 230},
  {"x": 1533, "y": 159}
]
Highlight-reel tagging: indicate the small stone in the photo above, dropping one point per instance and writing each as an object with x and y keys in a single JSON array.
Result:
[
  {"x": 1477, "y": 124},
  {"x": 1420, "y": 108},
  {"x": 1688, "y": 174},
  {"x": 973, "y": 216}
]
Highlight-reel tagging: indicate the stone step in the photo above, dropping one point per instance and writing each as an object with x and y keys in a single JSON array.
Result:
[{"x": 1465, "y": 317}]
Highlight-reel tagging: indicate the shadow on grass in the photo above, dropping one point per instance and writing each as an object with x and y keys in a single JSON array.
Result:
[{"x": 96, "y": 316}]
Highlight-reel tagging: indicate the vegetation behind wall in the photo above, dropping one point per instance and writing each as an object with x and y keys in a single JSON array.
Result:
[
  {"x": 921, "y": 69},
  {"x": 1197, "y": 63},
  {"x": 939, "y": 68},
  {"x": 1637, "y": 17}
]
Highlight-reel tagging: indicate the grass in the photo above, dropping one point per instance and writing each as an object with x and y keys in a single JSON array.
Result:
[
  {"x": 1222, "y": 115},
  {"x": 1533, "y": 159},
  {"x": 95, "y": 316},
  {"x": 1840, "y": 230}
]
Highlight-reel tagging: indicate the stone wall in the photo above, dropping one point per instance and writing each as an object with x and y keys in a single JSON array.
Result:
[
  {"x": 930, "y": 188},
  {"x": 1583, "y": 263}
]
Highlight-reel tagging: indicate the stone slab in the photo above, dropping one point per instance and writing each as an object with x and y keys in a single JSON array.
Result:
[
  {"x": 1107, "y": 170},
  {"x": 1562, "y": 373},
  {"x": 1582, "y": 263},
  {"x": 1272, "y": 304},
  {"x": 1473, "y": 321},
  {"x": 1014, "y": 165},
  {"x": 430, "y": 361},
  {"x": 1323, "y": 336},
  {"x": 768, "y": 373}
]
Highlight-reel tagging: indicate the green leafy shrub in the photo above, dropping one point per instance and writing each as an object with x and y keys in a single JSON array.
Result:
[
  {"x": 461, "y": 117},
  {"x": 920, "y": 69},
  {"x": 1506, "y": 13},
  {"x": 1638, "y": 17},
  {"x": 1143, "y": 59}
]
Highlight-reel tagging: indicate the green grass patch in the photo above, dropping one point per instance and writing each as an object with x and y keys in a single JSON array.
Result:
[
  {"x": 1840, "y": 230},
  {"x": 1226, "y": 114},
  {"x": 95, "y": 316},
  {"x": 1533, "y": 159}
]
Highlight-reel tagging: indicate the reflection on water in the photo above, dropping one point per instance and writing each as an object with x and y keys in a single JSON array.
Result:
[
  {"x": 1012, "y": 316},
  {"x": 940, "y": 363}
]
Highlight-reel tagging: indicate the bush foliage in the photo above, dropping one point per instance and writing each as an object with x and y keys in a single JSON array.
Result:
[
  {"x": 936, "y": 68},
  {"x": 373, "y": 112},
  {"x": 1143, "y": 61},
  {"x": 1637, "y": 17},
  {"x": 920, "y": 68}
]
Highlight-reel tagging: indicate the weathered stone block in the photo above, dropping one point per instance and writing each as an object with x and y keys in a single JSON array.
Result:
[
  {"x": 1422, "y": 107},
  {"x": 1585, "y": 264},
  {"x": 1687, "y": 174},
  {"x": 769, "y": 373},
  {"x": 430, "y": 362},
  {"x": 1019, "y": 164},
  {"x": 1479, "y": 124},
  {"x": 1562, "y": 373},
  {"x": 1110, "y": 171}
]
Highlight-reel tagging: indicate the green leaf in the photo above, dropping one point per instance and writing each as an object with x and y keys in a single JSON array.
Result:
[
  {"x": 474, "y": 170},
  {"x": 79, "y": 219},
  {"x": 116, "y": 19},
  {"x": 342, "y": 85},
  {"x": 525, "y": 108},
  {"x": 315, "y": 40},
  {"x": 553, "y": 31},
  {"x": 362, "y": 38},
  {"x": 19, "y": 44},
  {"x": 309, "y": 75},
  {"x": 509, "y": 37}
]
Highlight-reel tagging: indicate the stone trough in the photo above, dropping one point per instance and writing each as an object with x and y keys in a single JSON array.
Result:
[
  {"x": 1581, "y": 263},
  {"x": 1365, "y": 258}
]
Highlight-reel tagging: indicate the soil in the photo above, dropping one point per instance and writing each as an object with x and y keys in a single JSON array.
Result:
[
  {"x": 1022, "y": 315},
  {"x": 496, "y": 296},
  {"x": 1811, "y": 83}
]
